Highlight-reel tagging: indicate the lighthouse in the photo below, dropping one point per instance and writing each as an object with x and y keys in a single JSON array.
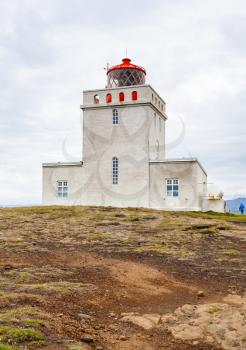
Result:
[{"x": 124, "y": 161}]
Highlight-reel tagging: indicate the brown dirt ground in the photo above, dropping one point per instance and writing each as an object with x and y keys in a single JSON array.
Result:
[{"x": 103, "y": 262}]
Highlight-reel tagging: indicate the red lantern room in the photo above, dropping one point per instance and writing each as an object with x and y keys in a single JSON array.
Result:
[{"x": 125, "y": 74}]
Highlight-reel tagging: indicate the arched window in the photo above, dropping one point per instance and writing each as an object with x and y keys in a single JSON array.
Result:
[
  {"x": 121, "y": 96},
  {"x": 115, "y": 116},
  {"x": 115, "y": 169},
  {"x": 109, "y": 98},
  {"x": 96, "y": 99},
  {"x": 134, "y": 95}
]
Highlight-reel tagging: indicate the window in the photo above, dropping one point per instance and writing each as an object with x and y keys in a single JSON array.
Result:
[
  {"x": 172, "y": 186},
  {"x": 152, "y": 98},
  {"x": 109, "y": 98},
  {"x": 121, "y": 96},
  {"x": 96, "y": 99},
  {"x": 159, "y": 104},
  {"x": 155, "y": 100},
  {"x": 115, "y": 116},
  {"x": 62, "y": 189},
  {"x": 115, "y": 171},
  {"x": 134, "y": 95}
]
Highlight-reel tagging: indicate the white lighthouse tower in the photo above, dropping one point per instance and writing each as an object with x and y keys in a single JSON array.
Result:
[{"x": 123, "y": 162}]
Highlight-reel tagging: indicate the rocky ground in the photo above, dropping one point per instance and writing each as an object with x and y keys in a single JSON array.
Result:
[{"x": 83, "y": 278}]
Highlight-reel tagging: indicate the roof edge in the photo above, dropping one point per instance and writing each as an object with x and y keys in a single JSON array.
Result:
[
  {"x": 180, "y": 160},
  {"x": 62, "y": 164}
]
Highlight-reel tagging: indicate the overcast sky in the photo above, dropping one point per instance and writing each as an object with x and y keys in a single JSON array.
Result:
[{"x": 50, "y": 51}]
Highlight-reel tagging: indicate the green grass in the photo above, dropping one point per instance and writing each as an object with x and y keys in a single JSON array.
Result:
[
  {"x": 230, "y": 251},
  {"x": 19, "y": 335},
  {"x": 76, "y": 347},
  {"x": 33, "y": 323},
  {"x": 22, "y": 312},
  {"x": 63, "y": 286},
  {"x": 132, "y": 218},
  {"x": 7, "y": 347},
  {"x": 214, "y": 309},
  {"x": 214, "y": 215}
]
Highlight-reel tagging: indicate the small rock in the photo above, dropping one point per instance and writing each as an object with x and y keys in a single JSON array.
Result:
[
  {"x": 234, "y": 299},
  {"x": 87, "y": 339},
  {"x": 187, "y": 309},
  {"x": 200, "y": 294},
  {"x": 168, "y": 318},
  {"x": 113, "y": 327},
  {"x": 155, "y": 318},
  {"x": 128, "y": 314},
  {"x": 84, "y": 317},
  {"x": 122, "y": 337},
  {"x": 139, "y": 321}
]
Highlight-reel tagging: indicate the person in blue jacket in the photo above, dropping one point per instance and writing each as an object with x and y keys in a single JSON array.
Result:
[{"x": 241, "y": 208}]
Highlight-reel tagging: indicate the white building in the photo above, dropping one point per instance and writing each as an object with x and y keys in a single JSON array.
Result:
[{"x": 124, "y": 162}]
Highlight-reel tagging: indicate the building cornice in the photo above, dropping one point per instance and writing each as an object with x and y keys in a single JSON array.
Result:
[
  {"x": 62, "y": 164},
  {"x": 181, "y": 160},
  {"x": 120, "y": 105}
]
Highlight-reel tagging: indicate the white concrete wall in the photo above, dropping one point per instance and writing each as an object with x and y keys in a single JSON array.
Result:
[
  {"x": 190, "y": 177},
  {"x": 217, "y": 205},
  {"x": 138, "y": 141},
  {"x": 146, "y": 94},
  {"x": 157, "y": 137},
  {"x": 75, "y": 177},
  {"x": 129, "y": 141}
]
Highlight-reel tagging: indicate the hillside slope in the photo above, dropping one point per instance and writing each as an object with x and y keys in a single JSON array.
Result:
[{"x": 84, "y": 278}]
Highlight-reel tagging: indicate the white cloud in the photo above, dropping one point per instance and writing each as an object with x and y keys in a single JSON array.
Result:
[{"x": 194, "y": 53}]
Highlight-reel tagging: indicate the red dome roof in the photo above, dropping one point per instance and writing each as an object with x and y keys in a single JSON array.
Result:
[{"x": 126, "y": 63}]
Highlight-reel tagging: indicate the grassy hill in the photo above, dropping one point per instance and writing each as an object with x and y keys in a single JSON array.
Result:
[{"x": 67, "y": 273}]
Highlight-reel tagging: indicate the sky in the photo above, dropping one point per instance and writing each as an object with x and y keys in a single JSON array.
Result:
[{"x": 194, "y": 52}]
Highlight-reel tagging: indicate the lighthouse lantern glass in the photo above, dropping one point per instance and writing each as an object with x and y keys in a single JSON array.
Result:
[{"x": 125, "y": 77}]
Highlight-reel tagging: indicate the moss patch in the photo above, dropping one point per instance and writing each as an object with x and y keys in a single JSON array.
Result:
[
  {"x": 23, "y": 313},
  {"x": 214, "y": 309},
  {"x": 7, "y": 347},
  {"x": 19, "y": 335}
]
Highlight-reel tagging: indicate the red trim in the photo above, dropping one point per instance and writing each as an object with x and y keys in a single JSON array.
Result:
[{"x": 126, "y": 63}]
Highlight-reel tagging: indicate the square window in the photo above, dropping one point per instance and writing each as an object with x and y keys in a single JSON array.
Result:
[
  {"x": 172, "y": 187},
  {"x": 62, "y": 189}
]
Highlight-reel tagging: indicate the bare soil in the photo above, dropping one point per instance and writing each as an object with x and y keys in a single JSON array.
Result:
[{"x": 70, "y": 272}]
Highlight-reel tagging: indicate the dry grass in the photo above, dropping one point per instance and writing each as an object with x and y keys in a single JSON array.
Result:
[{"x": 215, "y": 242}]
